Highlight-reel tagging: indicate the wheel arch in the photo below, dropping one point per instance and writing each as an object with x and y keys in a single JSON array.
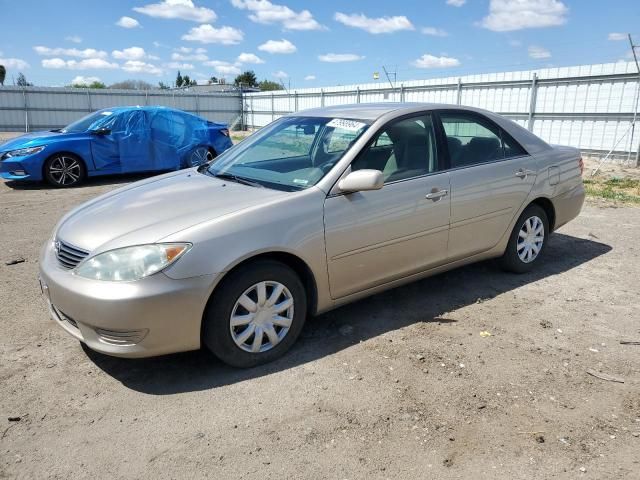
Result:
[{"x": 549, "y": 209}]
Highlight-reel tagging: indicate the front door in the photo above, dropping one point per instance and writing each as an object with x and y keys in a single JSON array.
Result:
[
  {"x": 379, "y": 236},
  {"x": 491, "y": 177}
]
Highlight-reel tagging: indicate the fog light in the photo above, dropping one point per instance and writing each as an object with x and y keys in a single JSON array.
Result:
[
  {"x": 122, "y": 338},
  {"x": 18, "y": 173}
]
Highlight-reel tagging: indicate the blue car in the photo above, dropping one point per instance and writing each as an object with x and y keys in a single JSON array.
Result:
[{"x": 111, "y": 141}]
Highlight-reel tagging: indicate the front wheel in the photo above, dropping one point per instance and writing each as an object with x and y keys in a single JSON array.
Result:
[
  {"x": 64, "y": 170},
  {"x": 255, "y": 315},
  {"x": 528, "y": 240}
]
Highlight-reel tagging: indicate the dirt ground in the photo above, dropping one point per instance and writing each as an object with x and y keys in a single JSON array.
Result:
[{"x": 401, "y": 385}]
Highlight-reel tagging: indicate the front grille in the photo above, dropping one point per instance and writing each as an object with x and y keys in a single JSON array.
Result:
[{"x": 68, "y": 255}]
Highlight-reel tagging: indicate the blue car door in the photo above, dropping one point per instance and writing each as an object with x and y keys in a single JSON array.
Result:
[
  {"x": 167, "y": 132},
  {"x": 105, "y": 148},
  {"x": 134, "y": 143}
]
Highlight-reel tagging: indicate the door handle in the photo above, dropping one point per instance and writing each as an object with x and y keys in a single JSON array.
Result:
[
  {"x": 437, "y": 195},
  {"x": 523, "y": 173}
]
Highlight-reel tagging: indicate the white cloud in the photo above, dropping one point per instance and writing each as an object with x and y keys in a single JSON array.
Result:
[
  {"x": 375, "y": 25},
  {"x": 339, "y": 57},
  {"x": 182, "y": 9},
  {"x": 136, "y": 66},
  {"x": 509, "y": 15},
  {"x": 310, "y": 77},
  {"x": 265, "y": 12},
  {"x": 280, "y": 74},
  {"x": 73, "y": 39},
  {"x": 278, "y": 46},
  {"x": 14, "y": 63},
  {"x": 224, "y": 68},
  {"x": 70, "y": 52},
  {"x": 456, "y": 3},
  {"x": 538, "y": 52},
  {"x": 435, "y": 32},
  {"x": 193, "y": 57},
  {"x": 249, "y": 58},
  {"x": 617, "y": 36},
  {"x": 208, "y": 34},
  {"x": 86, "y": 64},
  {"x": 431, "y": 61},
  {"x": 128, "y": 22},
  {"x": 131, "y": 53},
  {"x": 179, "y": 66},
  {"x": 82, "y": 80}
]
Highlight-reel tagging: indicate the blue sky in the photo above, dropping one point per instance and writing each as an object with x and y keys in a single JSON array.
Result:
[{"x": 306, "y": 44}]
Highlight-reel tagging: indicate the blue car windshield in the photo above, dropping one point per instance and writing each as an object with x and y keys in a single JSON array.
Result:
[
  {"x": 292, "y": 153},
  {"x": 91, "y": 121}
]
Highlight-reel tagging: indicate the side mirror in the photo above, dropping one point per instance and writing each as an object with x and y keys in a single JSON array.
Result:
[
  {"x": 309, "y": 130},
  {"x": 362, "y": 180},
  {"x": 101, "y": 131}
]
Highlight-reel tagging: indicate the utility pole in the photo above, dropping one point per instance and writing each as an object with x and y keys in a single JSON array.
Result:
[{"x": 635, "y": 109}]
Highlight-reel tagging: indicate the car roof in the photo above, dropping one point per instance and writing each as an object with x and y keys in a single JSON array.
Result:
[{"x": 373, "y": 111}]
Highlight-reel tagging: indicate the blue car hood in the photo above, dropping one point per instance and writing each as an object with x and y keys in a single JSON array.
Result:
[{"x": 35, "y": 139}]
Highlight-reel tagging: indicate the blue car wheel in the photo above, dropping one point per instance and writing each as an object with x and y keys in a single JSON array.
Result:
[
  {"x": 64, "y": 170},
  {"x": 200, "y": 156}
]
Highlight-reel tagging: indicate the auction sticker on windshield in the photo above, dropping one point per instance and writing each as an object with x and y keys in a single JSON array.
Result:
[{"x": 345, "y": 124}]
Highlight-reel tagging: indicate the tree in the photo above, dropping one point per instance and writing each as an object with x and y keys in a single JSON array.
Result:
[
  {"x": 163, "y": 86},
  {"x": 132, "y": 85},
  {"x": 94, "y": 84},
  {"x": 179, "y": 80},
  {"x": 22, "y": 81},
  {"x": 3, "y": 74},
  {"x": 268, "y": 85},
  {"x": 187, "y": 82},
  {"x": 247, "y": 78},
  {"x": 213, "y": 80}
]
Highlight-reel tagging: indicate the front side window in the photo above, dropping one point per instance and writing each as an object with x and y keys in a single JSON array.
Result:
[
  {"x": 292, "y": 153},
  {"x": 472, "y": 140},
  {"x": 402, "y": 149},
  {"x": 91, "y": 121}
]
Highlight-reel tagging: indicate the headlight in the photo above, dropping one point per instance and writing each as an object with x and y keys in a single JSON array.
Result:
[
  {"x": 131, "y": 263},
  {"x": 23, "y": 152}
]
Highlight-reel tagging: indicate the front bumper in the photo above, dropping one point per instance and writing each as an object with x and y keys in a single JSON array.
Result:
[
  {"x": 153, "y": 316},
  {"x": 27, "y": 168}
]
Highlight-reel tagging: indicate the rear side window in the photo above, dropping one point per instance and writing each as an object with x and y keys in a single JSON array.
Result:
[{"x": 473, "y": 140}]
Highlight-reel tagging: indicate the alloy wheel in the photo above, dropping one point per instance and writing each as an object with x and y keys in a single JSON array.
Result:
[
  {"x": 261, "y": 317},
  {"x": 530, "y": 239},
  {"x": 65, "y": 171},
  {"x": 200, "y": 156}
]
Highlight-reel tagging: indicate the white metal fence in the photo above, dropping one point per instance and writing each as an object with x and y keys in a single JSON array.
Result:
[
  {"x": 41, "y": 108},
  {"x": 590, "y": 107}
]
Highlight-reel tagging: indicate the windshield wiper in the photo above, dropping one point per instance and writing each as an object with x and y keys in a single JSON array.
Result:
[{"x": 237, "y": 179}]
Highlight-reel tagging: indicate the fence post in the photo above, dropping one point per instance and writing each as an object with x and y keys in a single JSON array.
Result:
[
  {"x": 459, "y": 92},
  {"x": 253, "y": 115},
  {"x": 402, "y": 92},
  {"x": 89, "y": 100},
  {"x": 295, "y": 100},
  {"x": 322, "y": 97},
  {"x": 146, "y": 97},
  {"x": 532, "y": 104},
  {"x": 358, "y": 94},
  {"x": 26, "y": 109},
  {"x": 197, "y": 104},
  {"x": 273, "y": 109}
]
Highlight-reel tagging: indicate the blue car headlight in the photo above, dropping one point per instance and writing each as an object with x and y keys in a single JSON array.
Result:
[{"x": 23, "y": 152}]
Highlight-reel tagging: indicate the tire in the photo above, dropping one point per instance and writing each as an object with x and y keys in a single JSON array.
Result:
[
  {"x": 520, "y": 255},
  {"x": 200, "y": 155},
  {"x": 236, "y": 345},
  {"x": 64, "y": 170}
]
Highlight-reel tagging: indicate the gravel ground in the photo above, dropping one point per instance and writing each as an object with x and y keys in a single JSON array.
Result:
[{"x": 401, "y": 385}]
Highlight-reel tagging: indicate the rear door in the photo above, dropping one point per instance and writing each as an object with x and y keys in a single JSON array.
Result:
[
  {"x": 378, "y": 236},
  {"x": 491, "y": 177}
]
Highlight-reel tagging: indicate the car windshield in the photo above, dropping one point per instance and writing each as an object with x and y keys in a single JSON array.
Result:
[
  {"x": 85, "y": 123},
  {"x": 292, "y": 153}
]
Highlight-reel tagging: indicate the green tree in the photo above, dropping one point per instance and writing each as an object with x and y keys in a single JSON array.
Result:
[
  {"x": 268, "y": 85},
  {"x": 132, "y": 85},
  {"x": 163, "y": 86},
  {"x": 95, "y": 84},
  {"x": 22, "y": 81},
  {"x": 3, "y": 74},
  {"x": 247, "y": 78},
  {"x": 179, "y": 80},
  {"x": 213, "y": 80}
]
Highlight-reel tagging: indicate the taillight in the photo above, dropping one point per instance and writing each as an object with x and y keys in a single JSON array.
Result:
[
  {"x": 225, "y": 132},
  {"x": 581, "y": 165}
]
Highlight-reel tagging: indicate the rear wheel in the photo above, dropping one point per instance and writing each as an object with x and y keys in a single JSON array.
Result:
[
  {"x": 255, "y": 315},
  {"x": 64, "y": 170},
  {"x": 200, "y": 156},
  {"x": 528, "y": 240}
]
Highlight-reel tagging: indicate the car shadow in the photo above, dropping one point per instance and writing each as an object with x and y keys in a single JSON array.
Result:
[{"x": 426, "y": 300}]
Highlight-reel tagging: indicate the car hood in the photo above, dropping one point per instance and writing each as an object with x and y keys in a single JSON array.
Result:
[
  {"x": 150, "y": 210},
  {"x": 35, "y": 139}
]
